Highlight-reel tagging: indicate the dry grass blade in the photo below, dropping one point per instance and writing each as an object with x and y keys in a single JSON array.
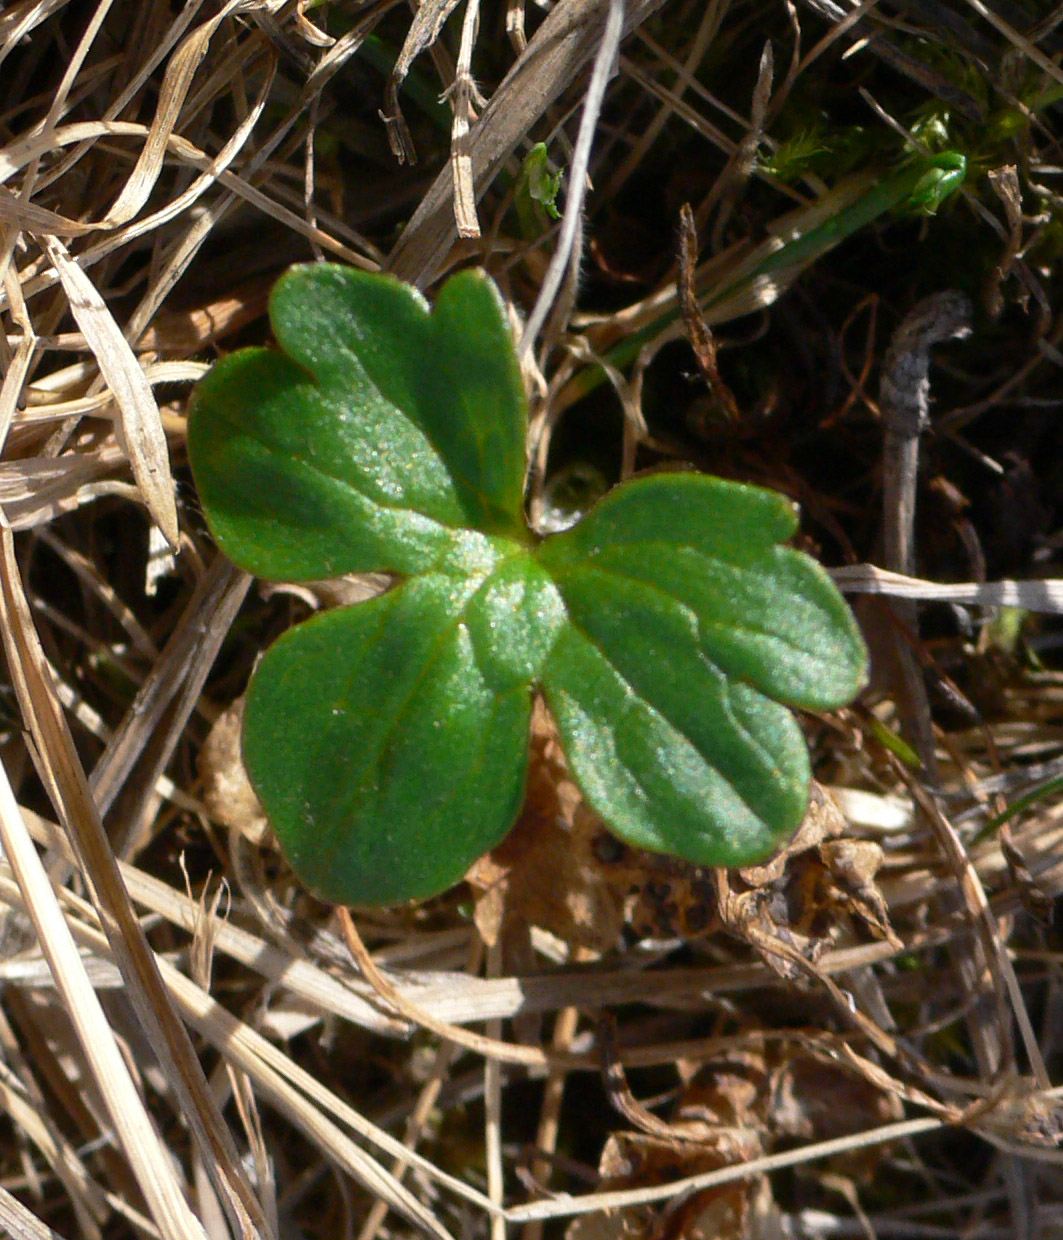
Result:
[
  {"x": 136, "y": 1133},
  {"x": 175, "y": 86},
  {"x": 37, "y": 489},
  {"x": 101, "y": 403},
  {"x": 167, "y": 697},
  {"x": 416, "y": 1127},
  {"x": 568, "y": 1206},
  {"x": 247, "y": 1049},
  {"x": 561, "y": 46},
  {"x": 427, "y": 25},
  {"x": 293, "y": 1091},
  {"x": 462, "y": 94},
  {"x": 299, "y": 976},
  {"x": 66, "y": 783},
  {"x": 492, "y": 1048},
  {"x": 20, "y": 1223},
  {"x": 450, "y": 999},
  {"x": 566, "y": 256},
  {"x": 86, "y": 1196},
  {"x": 708, "y": 27},
  {"x": 1028, "y": 49},
  {"x": 142, "y": 435},
  {"x": 33, "y": 146},
  {"x": 22, "y": 152},
  {"x": 1043, "y": 594},
  {"x": 988, "y": 929},
  {"x": 294, "y": 1094},
  {"x": 32, "y": 218},
  {"x": 19, "y": 19},
  {"x": 160, "y": 166},
  {"x": 14, "y": 381}
]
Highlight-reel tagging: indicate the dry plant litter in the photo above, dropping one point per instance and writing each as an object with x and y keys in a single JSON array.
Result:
[{"x": 859, "y": 1038}]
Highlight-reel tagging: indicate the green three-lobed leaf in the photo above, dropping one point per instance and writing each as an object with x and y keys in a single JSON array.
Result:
[{"x": 668, "y": 631}]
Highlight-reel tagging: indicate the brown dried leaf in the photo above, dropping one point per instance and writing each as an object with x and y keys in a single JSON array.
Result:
[
  {"x": 665, "y": 897},
  {"x": 853, "y": 865},
  {"x": 699, "y": 332},
  {"x": 1025, "y": 1113},
  {"x": 544, "y": 873},
  {"x": 635, "y": 1161},
  {"x": 823, "y": 820},
  {"x": 716, "y": 1123},
  {"x": 227, "y": 792},
  {"x": 818, "y": 1101},
  {"x": 795, "y": 902}
]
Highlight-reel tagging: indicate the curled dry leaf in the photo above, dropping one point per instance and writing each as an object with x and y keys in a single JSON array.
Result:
[
  {"x": 735, "y": 1108},
  {"x": 664, "y": 897},
  {"x": 731, "y": 1211},
  {"x": 823, "y": 820},
  {"x": 800, "y": 899},
  {"x": 852, "y": 866},
  {"x": 561, "y": 869},
  {"x": 1024, "y": 1112},
  {"x": 813, "y": 1099},
  {"x": 800, "y": 896}
]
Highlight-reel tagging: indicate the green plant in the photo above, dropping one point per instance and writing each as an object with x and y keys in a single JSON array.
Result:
[
  {"x": 535, "y": 193},
  {"x": 388, "y": 741}
]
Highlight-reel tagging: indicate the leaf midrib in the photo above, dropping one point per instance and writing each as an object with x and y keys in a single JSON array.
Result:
[
  {"x": 437, "y": 648},
  {"x": 588, "y": 566}
]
